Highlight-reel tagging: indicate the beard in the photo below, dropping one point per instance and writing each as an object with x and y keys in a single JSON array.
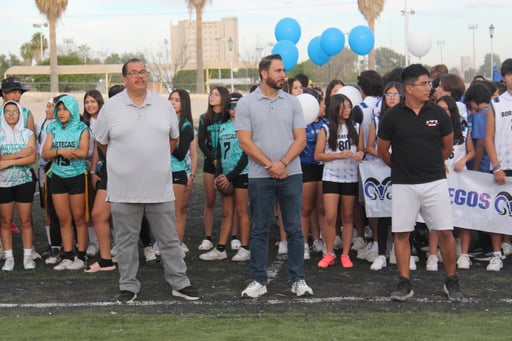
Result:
[{"x": 277, "y": 85}]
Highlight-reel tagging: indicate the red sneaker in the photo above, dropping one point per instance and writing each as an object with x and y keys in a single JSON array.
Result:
[
  {"x": 326, "y": 261},
  {"x": 346, "y": 262},
  {"x": 14, "y": 228}
]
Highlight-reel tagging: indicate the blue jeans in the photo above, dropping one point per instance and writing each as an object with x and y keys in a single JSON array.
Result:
[{"x": 262, "y": 193}]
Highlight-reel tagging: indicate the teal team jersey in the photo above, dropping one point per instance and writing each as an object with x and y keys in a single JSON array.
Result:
[{"x": 230, "y": 151}]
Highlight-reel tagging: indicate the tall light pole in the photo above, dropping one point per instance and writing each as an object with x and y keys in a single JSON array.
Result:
[
  {"x": 40, "y": 26},
  {"x": 406, "y": 12},
  {"x": 473, "y": 28},
  {"x": 230, "y": 47},
  {"x": 441, "y": 43},
  {"x": 491, "y": 34},
  {"x": 219, "y": 40}
]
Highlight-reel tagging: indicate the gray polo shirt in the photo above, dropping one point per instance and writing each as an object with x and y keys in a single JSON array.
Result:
[
  {"x": 271, "y": 122},
  {"x": 138, "y": 154}
]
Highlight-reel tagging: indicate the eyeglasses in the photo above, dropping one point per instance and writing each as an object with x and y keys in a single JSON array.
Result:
[
  {"x": 142, "y": 73},
  {"x": 389, "y": 95},
  {"x": 232, "y": 106},
  {"x": 11, "y": 112},
  {"x": 423, "y": 84}
]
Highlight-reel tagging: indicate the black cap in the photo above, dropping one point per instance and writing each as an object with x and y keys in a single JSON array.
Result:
[
  {"x": 235, "y": 96},
  {"x": 12, "y": 83}
]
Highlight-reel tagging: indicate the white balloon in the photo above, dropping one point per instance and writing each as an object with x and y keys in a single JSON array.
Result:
[
  {"x": 310, "y": 107},
  {"x": 419, "y": 43}
]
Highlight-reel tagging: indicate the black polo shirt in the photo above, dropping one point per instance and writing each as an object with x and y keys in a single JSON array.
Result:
[{"x": 416, "y": 142}]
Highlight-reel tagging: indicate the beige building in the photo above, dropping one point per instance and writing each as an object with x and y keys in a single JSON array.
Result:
[{"x": 220, "y": 43}]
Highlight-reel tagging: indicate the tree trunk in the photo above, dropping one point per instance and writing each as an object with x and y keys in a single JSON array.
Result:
[
  {"x": 199, "y": 51},
  {"x": 54, "y": 76},
  {"x": 371, "y": 55}
]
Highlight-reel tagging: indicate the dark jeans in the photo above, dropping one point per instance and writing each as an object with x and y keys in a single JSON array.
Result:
[{"x": 262, "y": 193}]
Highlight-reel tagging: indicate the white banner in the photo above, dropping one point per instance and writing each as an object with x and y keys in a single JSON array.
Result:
[{"x": 478, "y": 203}]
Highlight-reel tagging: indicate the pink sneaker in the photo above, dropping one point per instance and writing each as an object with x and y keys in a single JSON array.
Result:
[
  {"x": 346, "y": 262},
  {"x": 14, "y": 228},
  {"x": 326, "y": 261}
]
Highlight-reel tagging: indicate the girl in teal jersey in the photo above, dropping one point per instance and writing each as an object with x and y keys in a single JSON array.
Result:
[
  {"x": 67, "y": 145},
  {"x": 17, "y": 155}
]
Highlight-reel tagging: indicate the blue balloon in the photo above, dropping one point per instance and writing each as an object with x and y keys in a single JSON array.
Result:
[
  {"x": 332, "y": 41},
  {"x": 287, "y": 29},
  {"x": 289, "y": 53},
  {"x": 361, "y": 40},
  {"x": 315, "y": 52}
]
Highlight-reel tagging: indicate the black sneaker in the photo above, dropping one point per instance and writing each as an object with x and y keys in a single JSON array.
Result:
[
  {"x": 487, "y": 256},
  {"x": 403, "y": 290},
  {"x": 189, "y": 293},
  {"x": 452, "y": 289},
  {"x": 126, "y": 297}
]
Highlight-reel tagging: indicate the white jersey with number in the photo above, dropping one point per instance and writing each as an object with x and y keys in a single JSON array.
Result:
[
  {"x": 340, "y": 170},
  {"x": 502, "y": 107}
]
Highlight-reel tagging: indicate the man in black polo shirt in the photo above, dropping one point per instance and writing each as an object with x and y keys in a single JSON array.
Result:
[{"x": 421, "y": 137}]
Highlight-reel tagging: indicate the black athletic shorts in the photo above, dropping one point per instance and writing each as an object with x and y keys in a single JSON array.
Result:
[
  {"x": 179, "y": 178},
  {"x": 23, "y": 193},
  {"x": 341, "y": 188},
  {"x": 311, "y": 172},
  {"x": 73, "y": 185}
]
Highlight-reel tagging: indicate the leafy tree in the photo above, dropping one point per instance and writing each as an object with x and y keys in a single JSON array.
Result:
[
  {"x": 485, "y": 68},
  {"x": 387, "y": 59},
  {"x": 371, "y": 10}
]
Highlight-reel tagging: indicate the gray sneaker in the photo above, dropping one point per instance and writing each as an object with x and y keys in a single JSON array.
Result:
[
  {"x": 452, "y": 289},
  {"x": 403, "y": 290}
]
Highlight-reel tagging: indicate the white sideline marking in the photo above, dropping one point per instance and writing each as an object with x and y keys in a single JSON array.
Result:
[{"x": 262, "y": 300}]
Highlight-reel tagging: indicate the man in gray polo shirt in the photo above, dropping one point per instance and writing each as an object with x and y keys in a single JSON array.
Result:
[
  {"x": 271, "y": 131},
  {"x": 140, "y": 130}
]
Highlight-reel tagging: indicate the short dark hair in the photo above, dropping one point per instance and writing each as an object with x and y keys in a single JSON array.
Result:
[
  {"x": 266, "y": 61},
  {"x": 411, "y": 73},
  {"x": 370, "y": 82},
  {"x": 115, "y": 89},
  {"x": 506, "y": 67},
  {"x": 478, "y": 92},
  {"x": 303, "y": 79},
  {"x": 129, "y": 61}
]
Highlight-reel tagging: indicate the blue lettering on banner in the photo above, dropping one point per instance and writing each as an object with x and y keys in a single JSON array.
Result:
[
  {"x": 470, "y": 199},
  {"x": 503, "y": 203},
  {"x": 374, "y": 189}
]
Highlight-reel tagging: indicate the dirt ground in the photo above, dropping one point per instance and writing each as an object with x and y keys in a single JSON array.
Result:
[{"x": 45, "y": 291}]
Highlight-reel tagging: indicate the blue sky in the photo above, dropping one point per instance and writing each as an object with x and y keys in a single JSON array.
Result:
[{"x": 126, "y": 25}]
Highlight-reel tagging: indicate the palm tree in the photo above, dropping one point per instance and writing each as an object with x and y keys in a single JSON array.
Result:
[
  {"x": 197, "y": 6},
  {"x": 52, "y": 9},
  {"x": 371, "y": 10}
]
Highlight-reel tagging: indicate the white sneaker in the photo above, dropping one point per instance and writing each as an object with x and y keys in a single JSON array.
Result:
[
  {"x": 35, "y": 255},
  {"x": 214, "y": 254},
  {"x": 205, "y": 245},
  {"x": 149, "y": 254},
  {"x": 464, "y": 262},
  {"x": 358, "y": 244},
  {"x": 368, "y": 233},
  {"x": 412, "y": 263},
  {"x": 8, "y": 264},
  {"x": 306, "y": 251},
  {"x": 77, "y": 264},
  {"x": 63, "y": 265},
  {"x": 318, "y": 246},
  {"x": 379, "y": 263},
  {"x": 507, "y": 248},
  {"x": 254, "y": 290},
  {"x": 29, "y": 263},
  {"x": 282, "y": 247},
  {"x": 300, "y": 288},
  {"x": 156, "y": 249},
  {"x": 373, "y": 253},
  {"x": 242, "y": 255},
  {"x": 495, "y": 264},
  {"x": 432, "y": 261},
  {"x": 362, "y": 253},
  {"x": 392, "y": 255},
  {"x": 338, "y": 243},
  {"x": 92, "y": 249},
  {"x": 235, "y": 244},
  {"x": 183, "y": 247}
]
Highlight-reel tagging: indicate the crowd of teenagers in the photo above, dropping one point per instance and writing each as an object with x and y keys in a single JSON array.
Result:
[{"x": 269, "y": 166}]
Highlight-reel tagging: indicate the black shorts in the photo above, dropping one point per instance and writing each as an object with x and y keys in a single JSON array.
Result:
[
  {"x": 101, "y": 184},
  {"x": 23, "y": 193},
  {"x": 208, "y": 167},
  {"x": 241, "y": 181},
  {"x": 179, "y": 178},
  {"x": 73, "y": 185},
  {"x": 341, "y": 188},
  {"x": 311, "y": 172}
]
